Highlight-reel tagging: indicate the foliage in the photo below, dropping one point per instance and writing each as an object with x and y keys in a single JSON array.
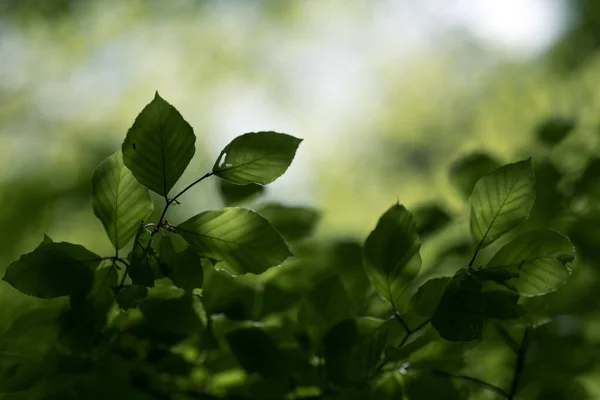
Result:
[{"x": 239, "y": 303}]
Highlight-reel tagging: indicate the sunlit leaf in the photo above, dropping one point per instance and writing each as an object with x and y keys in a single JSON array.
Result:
[
  {"x": 118, "y": 200},
  {"x": 459, "y": 316},
  {"x": 501, "y": 200},
  {"x": 293, "y": 223},
  {"x": 241, "y": 240},
  {"x": 392, "y": 256},
  {"x": 258, "y": 157},
  {"x": 159, "y": 146},
  {"x": 539, "y": 260},
  {"x": 53, "y": 270}
]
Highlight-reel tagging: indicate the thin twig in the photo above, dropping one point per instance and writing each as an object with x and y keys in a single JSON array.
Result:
[
  {"x": 477, "y": 381},
  {"x": 520, "y": 362}
]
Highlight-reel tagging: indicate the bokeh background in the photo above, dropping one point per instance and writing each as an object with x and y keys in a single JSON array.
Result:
[{"x": 386, "y": 94}]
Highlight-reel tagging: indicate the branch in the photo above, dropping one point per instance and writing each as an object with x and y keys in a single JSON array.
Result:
[
  {"x": 520, "y": 362},
  {"x": 471, "y": 379}
]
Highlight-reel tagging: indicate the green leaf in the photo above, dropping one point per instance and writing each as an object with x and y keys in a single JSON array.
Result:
[
  {"x": 142, "y": 268},
  {"x": 421, "y": 386},
  {"x": 353, "y": 348},
  {"x": 233, "y": 194},
  {"x": 465, "y": 172},
  {"x": 537, "y": 259},
  {"x": 118, "y": 200},
  {"x": 131, "y": 296},
  {"x": 502, "y": 304},
  {"x": 257, "y": 157},
  {"x": 459, "y": 316},
  {"x": 240, "y": 240},
  {"x": 427, "y": 298},
  {"x": 83, "y": 324},
  {"x": 554, "y": 130},
  {"x": 293, "y": 223},
  {"x": 392, "y": 258},
  {"x": 26, "y": 349},
  {"x": 430, "y": 218},
  {"x": 159, "y": 146},
  {"x": 256, "y": 352},
  {"x": 500, "y": 201},
  {"x": 53, "y": 270},
  {"x": 187, "y": 271},
  {"x": 326, "y": 305},
  {"x": 168, "y": 310}
]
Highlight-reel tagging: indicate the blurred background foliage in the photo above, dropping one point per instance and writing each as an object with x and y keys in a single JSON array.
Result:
[{"x": 388, "y": 95}]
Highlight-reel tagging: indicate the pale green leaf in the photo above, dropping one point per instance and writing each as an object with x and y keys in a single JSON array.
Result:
[
  {"x": 240, "y": 240},
  {"x": 118, "y": 200},
  {"x": 538, "y": 258},
  {"x": 500, "y": 201},
  {"x": 159, "y": 146},
  {"x": 392, "y": 256},
  {"x": 257, "y": 157}
]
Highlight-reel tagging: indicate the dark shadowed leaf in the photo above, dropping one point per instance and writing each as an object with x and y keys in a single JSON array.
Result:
[
  {"x": 422, "y": 386},
  {"x": 87, "y": 317},
  {"x": 187, "y": 270},
  {"x": 459, "y": 316},
  {"x": 392, "y": 256},
  {"x": 353, "y": 348},
  {"x": 130, "y": 296},
  {"x": 256, "y": 352},
  {"x": 240, "y": 240},
  {"x": 554, "y": 130},
  {"x": 170, "y": 310},
  {"x": 159, "y": 146},
  {"x": 293, "y": 223},
  {"x": 53, "y": 270},
  {"x": 539, "y": 260},
  {"x": 427, "y": 298},
  {"x": 326, "y": 305},
  {"x": 501, "y": 200},
  {"x": 588, "y": 183},
  {"x": 142, "y": 267},
  {"x": 430, "y": 218},
  {"x": 258, "y": 157},
  {"x": 465, "y": 172},
  {"x": 118, "y": 200},
  {"x": 227, "y": 295},
  {"x": 233, "y": 194},
  {"x": 27, "y": 349},
  {"x": 502, "y": 304}
]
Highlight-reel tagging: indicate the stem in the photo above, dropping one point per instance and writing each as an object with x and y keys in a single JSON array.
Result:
[
  {"x": 477, "y": 381},
  {"x": 404, "y": 325},
  {"x": 507, "y": 337},
  {"x": 520, "y": 362},
  {"x": 127, "y": 265},
  {"x": 476, "y": 252}
]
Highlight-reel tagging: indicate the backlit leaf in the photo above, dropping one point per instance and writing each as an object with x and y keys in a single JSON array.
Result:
[
  {"x": 501, "y": 200},
  {"x": 240, "y": 240},
  {"x": 465, "y": 172},
  {"x": 392, "y": 256},
  {"x": 293, "y": 223},
  {"x": 159, "y": 146},
  {"x": 538, "y": 259},
  {"x": 118, "y": 200},
  {"x": 258, "y": 157},
  {"x": 233, "y": 194}
]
